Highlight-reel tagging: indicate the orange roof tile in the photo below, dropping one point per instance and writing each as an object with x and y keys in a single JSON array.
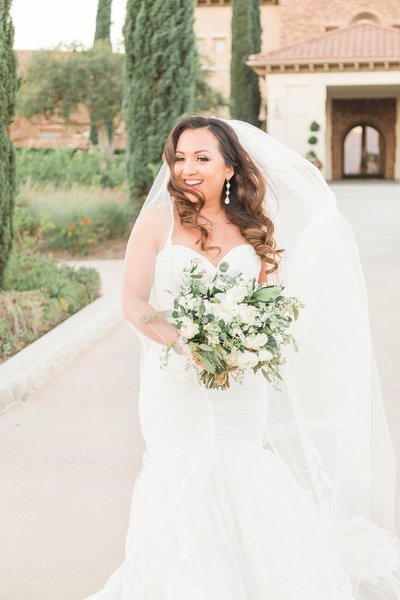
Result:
[{"x": 360, "y": 42}]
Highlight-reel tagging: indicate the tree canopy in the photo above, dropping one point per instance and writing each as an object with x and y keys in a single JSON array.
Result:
[{"x": 58, "y": 82}]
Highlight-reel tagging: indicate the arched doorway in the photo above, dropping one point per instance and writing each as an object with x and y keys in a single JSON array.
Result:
[
  {"x": 379, "y": 114},
  {"x": 363, "y": 152}
]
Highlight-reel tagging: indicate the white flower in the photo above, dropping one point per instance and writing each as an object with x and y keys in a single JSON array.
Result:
[
  {"x": 222, "y": 310},
  {"x": 237, "y": 332},
  {"x": 264, "y": 355},
  {"x": 233, "y": 296},
  {"x": 188, "y": 328},
  {"x": 247, "y": 313},
  {"x": 236, "y": 294},
  {"x": 190, "y": 302},
  {"x": 243, "y": 360},
  {"x": 254, "y": 342}
]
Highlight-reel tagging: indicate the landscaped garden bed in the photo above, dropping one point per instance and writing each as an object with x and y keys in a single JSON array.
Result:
[{"x": 38, "y": 295}]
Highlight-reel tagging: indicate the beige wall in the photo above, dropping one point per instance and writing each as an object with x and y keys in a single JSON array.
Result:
[
  {"x": 285, "y": 24},
  {"x": 295, "y": 100},
  {"x": 213, "y": 33},
  {"x": 304, "y": 20}
]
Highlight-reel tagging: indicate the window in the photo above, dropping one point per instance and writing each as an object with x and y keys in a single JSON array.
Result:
[
  {"x": 365, "y": 17},
  {"x": 219, "y": 45}
]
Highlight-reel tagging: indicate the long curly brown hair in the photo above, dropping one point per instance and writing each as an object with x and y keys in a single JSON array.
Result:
[{"x": 247, "y": 192}]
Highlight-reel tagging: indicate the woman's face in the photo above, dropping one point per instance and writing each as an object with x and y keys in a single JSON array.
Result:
[{"x": 200, "y": 165}]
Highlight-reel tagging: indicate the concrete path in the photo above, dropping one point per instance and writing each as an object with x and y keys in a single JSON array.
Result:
[
  {"x": 70, "y": 453},
  {"x": 68, "y": 458}
]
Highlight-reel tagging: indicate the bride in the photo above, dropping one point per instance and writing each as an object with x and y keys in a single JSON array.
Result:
[{"x": 249, "y": 493}]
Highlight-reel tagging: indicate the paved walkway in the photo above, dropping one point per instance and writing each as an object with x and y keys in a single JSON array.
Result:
[{"x": 69, "y": 455}]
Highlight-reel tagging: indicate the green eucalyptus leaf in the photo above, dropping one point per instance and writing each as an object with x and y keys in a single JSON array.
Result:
[
  {"x": 205, "y": 347},
  {"x": 208, "y": 365}
]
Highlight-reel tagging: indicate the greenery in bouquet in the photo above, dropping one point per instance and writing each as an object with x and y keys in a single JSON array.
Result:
[{"x": 232, "y": 325}]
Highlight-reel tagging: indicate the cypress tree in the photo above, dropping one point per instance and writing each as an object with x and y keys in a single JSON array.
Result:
[
  {"x": 102, "y": 33},
  {"x": 255, "y": 26},
  {"x": 8, "y": 87},
  {"x": 246, "y": 32},
  {"x": 160, "y": 71},
  {"x": 103, "y": 21}
]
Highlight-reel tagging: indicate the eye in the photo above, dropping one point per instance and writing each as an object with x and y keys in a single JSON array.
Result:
[
  {"x": 203, "y": 158},
  {"x": 178, "y": 158}
]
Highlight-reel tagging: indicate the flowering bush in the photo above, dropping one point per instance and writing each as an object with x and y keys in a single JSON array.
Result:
[
  {"x": 231, "y": 325},
  {"x": 79, "y": 236},
  {"x": 74, "y": 220}
]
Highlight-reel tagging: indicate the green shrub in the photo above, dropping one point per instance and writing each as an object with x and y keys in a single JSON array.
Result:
[
  {"x": 65, "y": 167},
  {"x": 25, "y": 316},
  {"x": 38, "y": 294},
  {"x": 74, "y": 287},
  {"x": 73, "y": 220}
]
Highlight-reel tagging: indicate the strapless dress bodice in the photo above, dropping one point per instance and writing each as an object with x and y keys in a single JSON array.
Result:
[{"x": 173, "y": 258}]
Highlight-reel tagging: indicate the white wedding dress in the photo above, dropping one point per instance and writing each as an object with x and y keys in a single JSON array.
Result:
[{"x": 215, "y": 514}]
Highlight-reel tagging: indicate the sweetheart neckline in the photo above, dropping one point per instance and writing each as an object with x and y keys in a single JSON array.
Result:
[{"x": 205, "y": 257}]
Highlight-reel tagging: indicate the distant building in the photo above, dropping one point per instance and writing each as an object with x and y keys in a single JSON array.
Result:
[{"x": 335, "y": 64}]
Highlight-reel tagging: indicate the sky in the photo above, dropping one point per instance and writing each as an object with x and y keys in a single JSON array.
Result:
[{"x": 47, "y": 23}]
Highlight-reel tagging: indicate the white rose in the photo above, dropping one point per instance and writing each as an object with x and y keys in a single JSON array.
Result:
[
  {"x": 233, "y": 296},
  {"x": 222, "y": 311},
  {"x": 243, "y": 360},
  {"x": 190, "y": 302},
  {"x": 254, "y": 342},
  {"x": 247, "y": 314},
  {"x": 265, "y": 355},
  {"x": 232, "y": 358},
  {"x": 236, "y": 294},
  {"x": 188, "y": 328},
  {"x": 247, "y": 360}
]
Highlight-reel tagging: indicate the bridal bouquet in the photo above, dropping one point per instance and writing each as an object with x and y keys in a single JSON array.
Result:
[{"x": 231, "y": 325}]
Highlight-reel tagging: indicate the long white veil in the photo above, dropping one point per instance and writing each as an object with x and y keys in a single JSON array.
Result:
[{"x": 328, "y": 423}]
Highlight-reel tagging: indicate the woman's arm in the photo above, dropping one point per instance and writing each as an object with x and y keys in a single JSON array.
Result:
[{"x": 147, "y": 236}]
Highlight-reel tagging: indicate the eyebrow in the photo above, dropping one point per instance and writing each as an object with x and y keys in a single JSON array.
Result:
[{"x": 197, "y": 151}]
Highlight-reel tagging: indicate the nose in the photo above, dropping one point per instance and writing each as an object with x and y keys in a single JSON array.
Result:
[{"x": 189, "y": 167}]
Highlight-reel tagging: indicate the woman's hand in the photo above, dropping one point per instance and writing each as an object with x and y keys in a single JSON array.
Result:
[{"x": 184, "y": 349}]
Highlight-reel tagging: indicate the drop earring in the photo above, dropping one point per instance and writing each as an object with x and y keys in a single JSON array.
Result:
[{"x": 227, "y": 199}]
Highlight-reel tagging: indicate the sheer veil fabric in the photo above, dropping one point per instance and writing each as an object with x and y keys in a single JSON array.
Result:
[{"x": 328, "y": 423}]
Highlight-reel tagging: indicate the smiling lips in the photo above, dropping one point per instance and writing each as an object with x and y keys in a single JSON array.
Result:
[{"x": 193, "y": 182}]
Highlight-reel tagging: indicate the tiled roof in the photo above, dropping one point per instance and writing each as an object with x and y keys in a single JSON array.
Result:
[{"x": 360, "y": 42}]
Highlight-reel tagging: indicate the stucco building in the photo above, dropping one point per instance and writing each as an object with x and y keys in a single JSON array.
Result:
[{"x": 333, "y": 65}]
